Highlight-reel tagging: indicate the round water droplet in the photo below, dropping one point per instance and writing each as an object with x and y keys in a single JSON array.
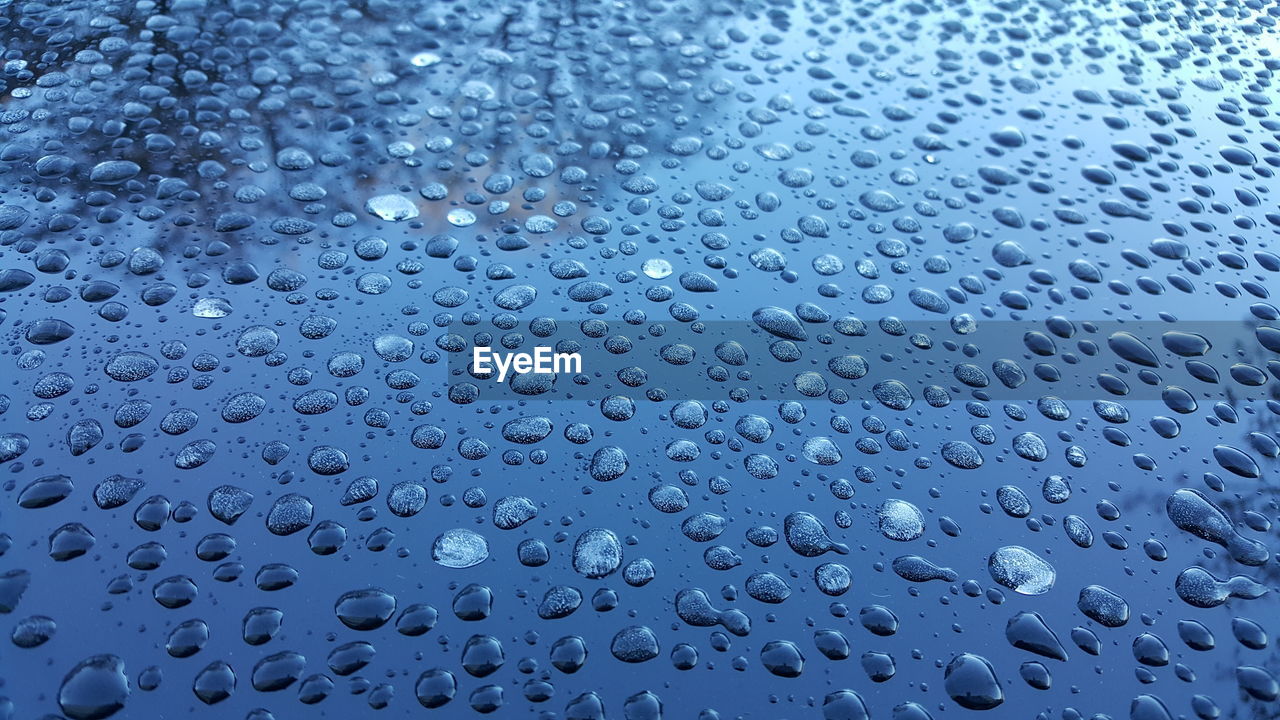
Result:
[
  {"x": 460, "y": 548},
  {"x": 1021, "y": 570}
]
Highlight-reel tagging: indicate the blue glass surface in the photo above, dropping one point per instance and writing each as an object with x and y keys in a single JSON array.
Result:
[{"x": 929, "y": 363}]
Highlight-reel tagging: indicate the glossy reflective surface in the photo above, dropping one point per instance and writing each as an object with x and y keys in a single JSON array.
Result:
[{"x": 928, "y": 355}]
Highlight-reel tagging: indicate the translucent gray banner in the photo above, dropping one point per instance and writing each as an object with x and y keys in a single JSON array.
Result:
[{"x": 777, "y": 356}]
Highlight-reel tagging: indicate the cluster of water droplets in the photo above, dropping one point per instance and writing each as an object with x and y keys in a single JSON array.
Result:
[{"x": 889, "y": 315}]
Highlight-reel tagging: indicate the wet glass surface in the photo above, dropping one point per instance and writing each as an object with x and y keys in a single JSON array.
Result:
[{"x": 929, "y": 360}]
